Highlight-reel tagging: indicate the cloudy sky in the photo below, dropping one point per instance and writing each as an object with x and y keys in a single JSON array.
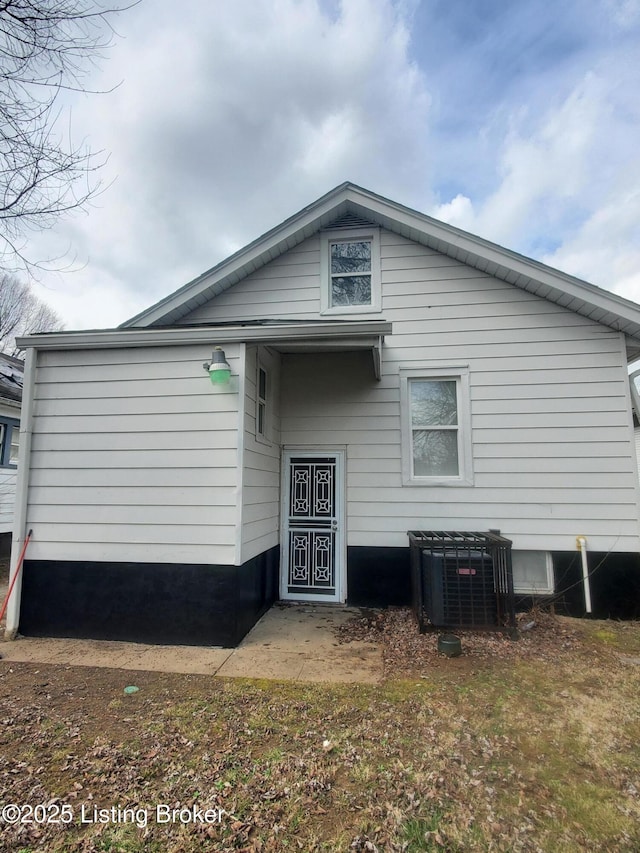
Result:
[{"x": 516, "y": 121}]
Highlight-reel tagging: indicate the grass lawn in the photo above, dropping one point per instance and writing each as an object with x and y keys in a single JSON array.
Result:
[{"x": 496, "y": 753}]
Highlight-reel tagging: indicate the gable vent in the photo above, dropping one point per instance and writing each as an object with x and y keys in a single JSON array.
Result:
[{"x": 350, "y": 220}]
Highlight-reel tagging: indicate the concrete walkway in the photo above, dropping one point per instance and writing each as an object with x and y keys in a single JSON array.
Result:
[{"x": 290, "y": 642}]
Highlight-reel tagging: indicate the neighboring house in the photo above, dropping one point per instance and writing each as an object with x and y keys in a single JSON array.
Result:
[
  {"x": 388, "y": 372},
  {"x": 11, "y": 377}
]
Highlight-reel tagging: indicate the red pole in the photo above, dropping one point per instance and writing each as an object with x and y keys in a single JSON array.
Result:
[{"x": 15, "y": 574}]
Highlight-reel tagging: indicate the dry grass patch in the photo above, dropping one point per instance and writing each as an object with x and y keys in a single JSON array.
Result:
[{"x": 513, "y": 751}]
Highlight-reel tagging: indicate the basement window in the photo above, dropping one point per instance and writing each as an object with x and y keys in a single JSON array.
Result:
[
  {"x": 532, "y": 572},
  {"x": 350, "y": 271}
]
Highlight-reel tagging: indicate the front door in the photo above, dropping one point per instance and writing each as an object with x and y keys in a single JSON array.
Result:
[{"x": 313, "y": 531}]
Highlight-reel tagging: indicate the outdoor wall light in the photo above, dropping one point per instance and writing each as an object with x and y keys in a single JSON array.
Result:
[{"x": 219, "y": 370}]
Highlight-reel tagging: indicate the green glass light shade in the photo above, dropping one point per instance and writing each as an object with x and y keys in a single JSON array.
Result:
[
  {"x": 219, "y": 376},
  {"x": 219, "y": 370}
]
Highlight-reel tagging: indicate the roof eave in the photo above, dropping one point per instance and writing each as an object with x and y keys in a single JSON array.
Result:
[
  {"x": 587, "y": 299},
  {"x": 210, "y": 335}
]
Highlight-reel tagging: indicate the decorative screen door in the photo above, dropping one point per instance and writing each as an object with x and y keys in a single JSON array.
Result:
[{"x": 312, "y": 544}]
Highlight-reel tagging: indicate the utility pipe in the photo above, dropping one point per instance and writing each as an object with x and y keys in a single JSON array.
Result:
[
  {"x": 15, "y": 575},
  {"x": 581, "y": 542}
]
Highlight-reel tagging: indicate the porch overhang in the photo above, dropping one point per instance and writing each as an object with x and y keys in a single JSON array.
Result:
[
  {"x": 282, "y": 336},
  {"x": 336, "y": 343}
]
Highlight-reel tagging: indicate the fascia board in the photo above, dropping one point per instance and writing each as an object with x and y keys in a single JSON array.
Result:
[
  {"x": 456, "y": 242},
  {"x": 10, "y": 403},
  {"x": 146, "y": 337},
  {"x": 523, "y": 272}
]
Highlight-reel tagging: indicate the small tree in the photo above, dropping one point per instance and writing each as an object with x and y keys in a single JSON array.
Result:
[
  {"x": 22, "y": 313},
  {"x": 46, "y": 47}
]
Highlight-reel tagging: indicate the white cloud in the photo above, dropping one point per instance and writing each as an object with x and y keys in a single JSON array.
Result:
[
  {"x": 543, "y": 166},
  {"x": 459, "y": 212},
  {"x": 232, "y": 116},
  {"x": 568, "y": 187},
  {"x": 606, "y": 248},
  {"x": 229, "y": 118},
  {"x": 626, "y": 13}
]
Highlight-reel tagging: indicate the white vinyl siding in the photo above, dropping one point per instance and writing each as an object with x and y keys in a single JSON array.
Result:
[
  {"x": 552, "y": 443},
  {"x": 553, "y": 453},
  {"x": 287, "y": 288},
  {"x": 261, "y": 465},
  {"x": 133, "y": 457}
]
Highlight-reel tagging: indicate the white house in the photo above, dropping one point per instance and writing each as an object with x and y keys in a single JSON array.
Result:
[
  {"x": 388, "y": 372},
  {"x": 11, "y": 376}
]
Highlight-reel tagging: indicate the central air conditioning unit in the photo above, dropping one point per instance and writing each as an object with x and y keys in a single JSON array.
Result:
[
  {"x": 458, "y": 589},
  {"x": 462, "y": 580}
]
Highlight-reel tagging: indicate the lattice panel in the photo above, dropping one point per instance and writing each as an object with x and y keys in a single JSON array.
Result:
[
  {"x": 311, "y": 560},
  {"x": 312, "y": 494}
]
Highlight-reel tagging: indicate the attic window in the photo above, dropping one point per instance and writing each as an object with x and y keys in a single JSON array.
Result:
[{"x": 350, "y": 271}]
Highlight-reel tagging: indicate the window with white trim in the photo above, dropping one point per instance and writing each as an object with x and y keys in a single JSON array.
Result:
[
  {"x": 9, "y": 442},
  {"x": 261, "y": 402},
  {"x": 350, "y": 271},
  {"x": 436, "y": 426},
  {"x": 433, "y": 407},
  {"x": 532, "y": 572}
]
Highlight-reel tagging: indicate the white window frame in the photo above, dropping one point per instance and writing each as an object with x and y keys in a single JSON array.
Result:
[
  {"x": 265, "y": 435},
  {"x": 531, "y": 590},
  {"x": 349, "y": 235},
  {"x": 9, "y": 439},
  {"x": 459, "y": 374}
]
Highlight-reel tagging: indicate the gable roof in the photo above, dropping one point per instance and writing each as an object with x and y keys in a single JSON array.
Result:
[{"x": 352, "y": 204}]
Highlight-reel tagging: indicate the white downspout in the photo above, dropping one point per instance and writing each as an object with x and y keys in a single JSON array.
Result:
[
  {"x": 22, "y": 491},
  {"x": 581, "y": 542}
]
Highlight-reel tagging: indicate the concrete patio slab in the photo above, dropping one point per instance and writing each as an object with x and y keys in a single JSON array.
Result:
[
  {"x": 290, "y": 642},
  {"x": 115, "y": 655},
  {"x": 257, "y": 663},
  {"x": 299, "y": 627}
]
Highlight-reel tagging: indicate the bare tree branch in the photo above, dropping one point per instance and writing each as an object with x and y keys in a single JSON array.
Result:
[
  {"x": 47, "y": 47},
  {"x": 22, "y": 313}
]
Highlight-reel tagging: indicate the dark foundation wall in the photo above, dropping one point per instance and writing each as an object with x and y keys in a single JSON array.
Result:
[
  {"x": 378, "y": 577},
  {"x": 218, "y": 605},
  {"x": 147, "y": 602},
  {"x": 614, "y": 581}
]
